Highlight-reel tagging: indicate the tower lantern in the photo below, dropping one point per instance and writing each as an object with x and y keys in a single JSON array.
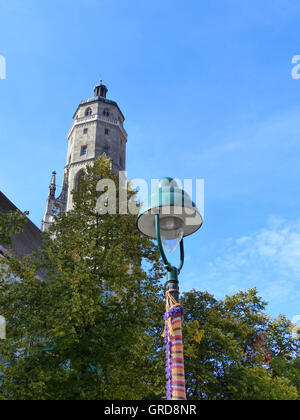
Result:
[{"x": 100, "y": 90}]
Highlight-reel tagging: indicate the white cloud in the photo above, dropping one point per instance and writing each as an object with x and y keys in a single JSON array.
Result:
[
  {"x": 277, "y": 246},
  {"x": 268, "y": 259}
]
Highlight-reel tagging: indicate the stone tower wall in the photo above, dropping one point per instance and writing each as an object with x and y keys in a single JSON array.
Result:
[{"x": 97, "y": 129}]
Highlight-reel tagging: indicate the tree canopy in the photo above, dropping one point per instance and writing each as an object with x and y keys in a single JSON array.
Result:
[{"x": 234, "y": 351}]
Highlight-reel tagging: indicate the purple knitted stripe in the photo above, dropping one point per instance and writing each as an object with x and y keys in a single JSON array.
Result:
[
  {"x": 174, "y": 311},
  {"x": 168, "y": 363},
  {"x": 170, "y": 314}
]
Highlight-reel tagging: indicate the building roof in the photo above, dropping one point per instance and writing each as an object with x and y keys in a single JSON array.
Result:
[
  {"x": 99, "y": 99},
  {"x": 27, "y": 241}
]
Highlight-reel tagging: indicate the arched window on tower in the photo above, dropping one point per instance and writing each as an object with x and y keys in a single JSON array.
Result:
[
  {"x": 88, "y": 112},
  {"x": 79, "y": 177},
  {"x": 106, "y": 112}
]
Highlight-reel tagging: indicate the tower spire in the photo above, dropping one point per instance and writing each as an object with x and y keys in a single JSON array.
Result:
[
  {"x": 52, "y": 187},
  {"x": 48, "y": 217}
]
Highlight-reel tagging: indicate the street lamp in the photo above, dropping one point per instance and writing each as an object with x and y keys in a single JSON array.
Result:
[{"x": 169, "y": 216}]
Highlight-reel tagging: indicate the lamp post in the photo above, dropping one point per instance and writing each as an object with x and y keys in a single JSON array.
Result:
[{"x": 169, "y": 216}]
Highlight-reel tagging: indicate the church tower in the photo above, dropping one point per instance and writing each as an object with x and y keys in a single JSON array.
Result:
[{"x": 97, "y": 128}]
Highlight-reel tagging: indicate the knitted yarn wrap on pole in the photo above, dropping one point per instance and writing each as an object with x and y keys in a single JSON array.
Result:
[{"x": 174, "y": 349}]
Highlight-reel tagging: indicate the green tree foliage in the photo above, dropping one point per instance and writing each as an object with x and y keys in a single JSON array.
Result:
[
  {"x": 84, "y": 319},
  {"x": 95, "y": 308},
  {"x": 234, "y": 351},
  {"x": 11, "y": 224}
]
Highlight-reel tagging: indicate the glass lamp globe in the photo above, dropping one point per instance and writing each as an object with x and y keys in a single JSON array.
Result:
[{"x": 171, "y": 230}]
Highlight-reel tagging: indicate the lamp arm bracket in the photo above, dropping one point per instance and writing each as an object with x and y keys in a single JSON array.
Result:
[
  {"x": 181, "y": 256},
  {"x": 160, "y": 245}
]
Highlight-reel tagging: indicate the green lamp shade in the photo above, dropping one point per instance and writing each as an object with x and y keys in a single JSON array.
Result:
[{"x": 178, "y": 215}]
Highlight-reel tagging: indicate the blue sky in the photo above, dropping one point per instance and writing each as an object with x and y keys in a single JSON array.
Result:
[{"x": 207, "y": 92}]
